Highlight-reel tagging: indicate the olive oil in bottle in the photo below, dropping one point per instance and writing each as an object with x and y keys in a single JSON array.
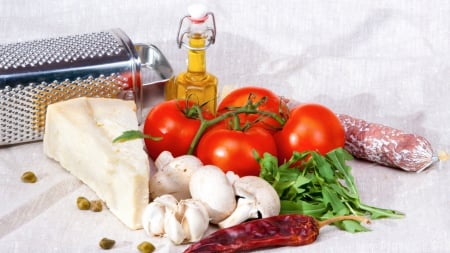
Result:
[{"x": 195, "y": 84}]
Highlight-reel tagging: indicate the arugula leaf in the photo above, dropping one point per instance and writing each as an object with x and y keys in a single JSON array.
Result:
[
  {"x": 320, "y": 186},
  {"x": 304, "y": 207}
]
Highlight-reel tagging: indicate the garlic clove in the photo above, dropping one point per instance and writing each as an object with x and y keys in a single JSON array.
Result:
[
  {"x": 153, "y": 218},
  {"x": 168, "y": 200},
  {"x": 195, "y": 219},
  {"x": 153, "y": 215},
  {"x": 173, "y": 227}
]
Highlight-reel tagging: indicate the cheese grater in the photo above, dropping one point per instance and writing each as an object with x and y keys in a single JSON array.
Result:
[{"x": 34, "y": 74}]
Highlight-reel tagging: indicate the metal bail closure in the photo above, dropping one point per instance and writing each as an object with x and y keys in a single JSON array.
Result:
[{"x": 210, "y": 32}]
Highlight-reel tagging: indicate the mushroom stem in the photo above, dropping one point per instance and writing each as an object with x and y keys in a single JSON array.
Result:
[{"x": 245, "y": 210}]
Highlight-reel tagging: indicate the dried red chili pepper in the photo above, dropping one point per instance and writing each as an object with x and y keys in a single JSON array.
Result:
[{"x": 275, "y": 231}]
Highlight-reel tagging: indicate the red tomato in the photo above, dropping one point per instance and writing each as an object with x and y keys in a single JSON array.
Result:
[
  {"x": 309, "y": 127},
  {"x": 167, "y": 120},
  {"x": 127, "y": 78},
  {"x": 232, "y": 150},
  {"x": 240, "y": 96}
]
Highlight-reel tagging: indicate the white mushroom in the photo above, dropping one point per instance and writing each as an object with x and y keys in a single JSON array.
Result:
[
  {"x": 256, "y": 199},
  {"x": 232, "y": 177},
  {"x": 173, "y": 175},
  {"x": 210, "y": 186},
  {"x": 154, "y": 213},
  {"x": 163, "y": 159}
]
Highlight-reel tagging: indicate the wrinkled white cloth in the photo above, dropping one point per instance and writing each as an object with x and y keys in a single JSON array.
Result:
[{"x": 382, "y": 61}]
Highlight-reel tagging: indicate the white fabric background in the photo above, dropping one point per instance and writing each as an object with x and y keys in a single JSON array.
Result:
[{"x": 383, "y": 61}]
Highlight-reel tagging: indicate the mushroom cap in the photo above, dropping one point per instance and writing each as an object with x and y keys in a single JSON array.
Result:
[
  {"x": 210, "y": 186},
  {"x": 173, "y": 178},
  {"x": 163, "y": 159},
  {"x": 266, "y": 198}
]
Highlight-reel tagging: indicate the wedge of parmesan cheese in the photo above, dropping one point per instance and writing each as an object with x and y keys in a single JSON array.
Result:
[{"x": 79, "y": 135}]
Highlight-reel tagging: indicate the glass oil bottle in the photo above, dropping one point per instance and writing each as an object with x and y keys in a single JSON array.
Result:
[{"x": 195, "y": 84}]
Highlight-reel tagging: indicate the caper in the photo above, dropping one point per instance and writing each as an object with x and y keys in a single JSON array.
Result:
[
  {"x": 106, "y": 243},
  {"x": 96, "y": 205},
  {"x": 146, "y": 247},
  {"x": 29, "y": 177},
  {"x": 83, "y": 203}
]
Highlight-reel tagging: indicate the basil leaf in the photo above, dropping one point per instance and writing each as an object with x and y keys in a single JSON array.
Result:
[{"x": 133, "y": 135}]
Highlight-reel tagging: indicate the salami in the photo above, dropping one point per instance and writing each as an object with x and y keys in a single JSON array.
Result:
[{"x": 386, "y": 145}]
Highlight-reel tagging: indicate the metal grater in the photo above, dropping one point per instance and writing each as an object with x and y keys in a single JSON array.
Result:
[{"x": 34, "y": 74}]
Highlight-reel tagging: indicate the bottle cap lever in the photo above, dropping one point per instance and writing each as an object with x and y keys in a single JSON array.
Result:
[{"x": 198, "y": 14}]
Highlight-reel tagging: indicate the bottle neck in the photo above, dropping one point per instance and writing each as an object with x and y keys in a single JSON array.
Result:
[{"x": 196, "y": 58}]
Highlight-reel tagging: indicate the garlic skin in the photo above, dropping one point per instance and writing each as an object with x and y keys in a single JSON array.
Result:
[
  {"x": 172, "y": 226},
  {"x": 154, "y": 213},
  {"x": 184, "y": 221},
  {"x": 195, "y": 221},
  {"x": 153, "y": 218},
  {"x": 168, "y": 200}
]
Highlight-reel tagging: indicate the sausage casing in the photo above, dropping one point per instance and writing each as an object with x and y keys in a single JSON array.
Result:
[{"x": 386, "y": 145}]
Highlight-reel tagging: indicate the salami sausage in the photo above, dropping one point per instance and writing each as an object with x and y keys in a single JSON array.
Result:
[{"x": 386, "y": 145}]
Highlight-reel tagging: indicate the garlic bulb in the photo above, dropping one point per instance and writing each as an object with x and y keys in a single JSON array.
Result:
[{"x": 184, "y": 221}]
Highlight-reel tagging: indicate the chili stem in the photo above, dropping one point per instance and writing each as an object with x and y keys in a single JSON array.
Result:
[{"x": 341, "y": 218}]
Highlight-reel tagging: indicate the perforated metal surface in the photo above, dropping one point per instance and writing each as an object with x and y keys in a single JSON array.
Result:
[
  {"x": 50, "y": 51},
  {"x": 23, "y": 108},
  {"x": 37, "y": 73}
]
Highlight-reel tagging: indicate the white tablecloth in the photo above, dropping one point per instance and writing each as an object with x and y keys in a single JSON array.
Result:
[{"x": 382, "y": 61}]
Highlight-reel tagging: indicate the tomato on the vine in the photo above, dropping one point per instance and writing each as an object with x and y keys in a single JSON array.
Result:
[
  {"x": 175, "y": 131},
  {"x": 232, "y": 150},
  {"x": 310, "y": 127},
  {"x": 240, "y": 96}
]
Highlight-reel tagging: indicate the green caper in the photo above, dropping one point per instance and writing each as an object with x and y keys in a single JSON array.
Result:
[
  {"x": 106, "y": 243},
  {"x": 83, "y": 203},
  {"x": 96, "y": 205},
  {"x": 146, "y": 247},
  {"x": 29, "y": 177}
]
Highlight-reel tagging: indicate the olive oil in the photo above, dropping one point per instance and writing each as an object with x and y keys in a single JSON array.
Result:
[{"x": 195, "y": 84}]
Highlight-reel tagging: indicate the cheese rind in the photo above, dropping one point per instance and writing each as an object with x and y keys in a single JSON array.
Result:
[{"x": 79, "y": 134}]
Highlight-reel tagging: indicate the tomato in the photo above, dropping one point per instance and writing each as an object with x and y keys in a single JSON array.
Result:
[
  {"x": 309, "y": 127},
  {"x": 240, "y": 96},
  {"x": 232, "y": 150},
  {"x": 168, "y": 120},
  {"x": 127, "y": 79}
]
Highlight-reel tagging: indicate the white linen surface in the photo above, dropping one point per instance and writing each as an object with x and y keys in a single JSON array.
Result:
[{"x": 382, "y": 61}]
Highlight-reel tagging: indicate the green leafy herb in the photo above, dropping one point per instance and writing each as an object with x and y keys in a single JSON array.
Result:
[
  {"x": 132, "y": 135},
  {"x": 319, "y": 186}
]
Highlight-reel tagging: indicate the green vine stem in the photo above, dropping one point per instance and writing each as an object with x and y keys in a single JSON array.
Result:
[
  {"x": 195, "y": 112},
  {"x": 249, "y": 108}
]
